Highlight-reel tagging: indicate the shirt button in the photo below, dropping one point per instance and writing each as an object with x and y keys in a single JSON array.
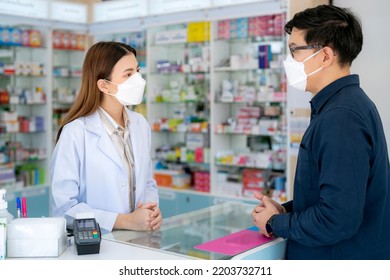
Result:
[{"x": 123, "y": 184}]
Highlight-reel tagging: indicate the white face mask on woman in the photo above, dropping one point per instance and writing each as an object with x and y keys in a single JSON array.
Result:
[
  {"x": 131, "y": 91},
  {"x": 295, "y": 71}
]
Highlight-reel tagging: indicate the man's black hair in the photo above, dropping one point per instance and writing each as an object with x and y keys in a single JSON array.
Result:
[{"x": 328, "y": 25}]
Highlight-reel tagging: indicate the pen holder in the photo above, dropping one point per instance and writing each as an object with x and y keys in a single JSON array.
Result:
[{"x": 36, "y": 237}]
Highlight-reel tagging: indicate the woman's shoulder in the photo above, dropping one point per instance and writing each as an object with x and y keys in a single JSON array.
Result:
[
  {"x": 74, "y": 128},
  {"x": 76, "y": 124}
]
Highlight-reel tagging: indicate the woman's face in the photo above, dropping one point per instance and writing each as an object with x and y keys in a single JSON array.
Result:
[{"x": 123, "y": 69}]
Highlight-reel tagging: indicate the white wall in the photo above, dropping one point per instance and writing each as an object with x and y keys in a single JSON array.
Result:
[{"x": 373, "y": 63}]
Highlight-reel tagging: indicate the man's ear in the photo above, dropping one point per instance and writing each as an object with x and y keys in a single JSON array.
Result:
[
  {"x": 329, "y": 56},
  {"x": 102, "y": 85}
]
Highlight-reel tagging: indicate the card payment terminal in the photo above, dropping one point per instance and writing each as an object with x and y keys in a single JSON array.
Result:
[{"x": 87, "y": 236}]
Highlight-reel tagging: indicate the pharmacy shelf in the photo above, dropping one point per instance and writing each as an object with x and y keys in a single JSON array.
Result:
[
  {"x": 247, "y": 107},
  {"x": 68, "y": 51},
  {"x": 26, "y": 74},
  {"x": 170, "y": 61},
  {"x": 178, "y": 104},
  {"x": 24, "y": 110}
]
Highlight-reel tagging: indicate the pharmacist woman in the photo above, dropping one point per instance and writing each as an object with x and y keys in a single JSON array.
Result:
[{"x": 101, "y": 161}]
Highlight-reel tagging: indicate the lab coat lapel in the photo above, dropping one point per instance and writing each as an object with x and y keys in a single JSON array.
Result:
[{"x": 95, "y": 125}]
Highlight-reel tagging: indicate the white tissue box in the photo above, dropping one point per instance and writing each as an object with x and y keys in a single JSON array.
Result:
[{"x": 36, "y": 237}]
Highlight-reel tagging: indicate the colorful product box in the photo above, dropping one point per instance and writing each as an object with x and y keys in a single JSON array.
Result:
[
  {"x": 199, "y": 155},
  {"x": 35, "y": 38},
  {"x": 198, "y": 31},
  {"x": 261, "y": 26},
  {"x": 25, "y": 38},
  {"x": 239, "y": 28},
  {"x": 5, "y": 36},
  {"x": 253, "y": 180},
  {"x": 223, "y": 31},
  {"x": 196, "y": 140},
  {"x": 10, "y": 36},
  {"x": 57, "y": 41},
  {"x": 65, "y": 40},
  {"x": 68, "y": 40},
  {"x": 242, "y": 28},
  {"x": 265, "y": 56},
  {"x": 80, "y": 42},
  {"x": 172, "y": 178},
  {"x": 202, "y": 181},
  {"x": 279, "y": 22},
  {"x": 16, "y": 36},
  {"x": 73, "y": 41}
]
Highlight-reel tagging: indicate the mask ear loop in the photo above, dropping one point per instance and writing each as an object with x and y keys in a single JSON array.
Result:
[
  {"x": 312, "y": 73},
  {"x": 108, "y": 92},
  {"x": 315, "y": 71},
  {"x": 111, "y": 82},
  {"x": 312, "y": 55}
]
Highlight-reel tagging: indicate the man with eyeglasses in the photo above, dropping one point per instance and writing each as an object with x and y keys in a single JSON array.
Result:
[{"x": 342, "y": 183}]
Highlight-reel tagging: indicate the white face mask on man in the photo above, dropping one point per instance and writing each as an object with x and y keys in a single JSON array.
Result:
[
  {"x": 131, "y": 91},
  {"x": 295, "y": 71}
]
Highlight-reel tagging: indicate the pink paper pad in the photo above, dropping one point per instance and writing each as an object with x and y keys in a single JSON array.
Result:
[{"x": 235, "y": 243}]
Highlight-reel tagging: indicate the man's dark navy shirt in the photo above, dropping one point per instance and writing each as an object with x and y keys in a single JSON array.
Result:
[{"x": 341, "y": 205}]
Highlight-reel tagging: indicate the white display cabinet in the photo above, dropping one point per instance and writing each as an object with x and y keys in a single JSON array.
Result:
[
  {"x": 249, "y": 139},
  {"x": 242, "y": 103},
  {"x": 27, "y": 80},
  {"x": 25, "y": 85},
  {"x": 24, "y": 113},
  {"x": 179, "y": 103}
]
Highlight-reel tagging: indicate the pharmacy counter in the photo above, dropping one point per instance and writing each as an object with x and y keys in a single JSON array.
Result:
[
  {"x": 179, "y": 235},
  {"x": 110, "y": 250}
]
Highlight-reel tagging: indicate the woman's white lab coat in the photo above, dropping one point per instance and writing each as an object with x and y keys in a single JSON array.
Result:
[{"x": 88, "y": 174}]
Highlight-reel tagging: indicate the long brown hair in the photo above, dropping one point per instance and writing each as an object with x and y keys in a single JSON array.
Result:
[{"x": 98, "y": 64}]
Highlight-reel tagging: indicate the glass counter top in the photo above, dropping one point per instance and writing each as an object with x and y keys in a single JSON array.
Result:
[{"x": 179, "y": 234}]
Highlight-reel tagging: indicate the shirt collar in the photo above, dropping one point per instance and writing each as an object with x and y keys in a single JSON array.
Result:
[
  {"x": 319, "y": 100},
  {"x": 112, "y": 125}
]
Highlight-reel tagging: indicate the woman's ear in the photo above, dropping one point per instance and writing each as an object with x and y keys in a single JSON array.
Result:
[{"x": 102, "y": 85}]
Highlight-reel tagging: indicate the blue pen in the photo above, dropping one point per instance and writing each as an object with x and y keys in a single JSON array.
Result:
[{"x": 18, "y": 207}]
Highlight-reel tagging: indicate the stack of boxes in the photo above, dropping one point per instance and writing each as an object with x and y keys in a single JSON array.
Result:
[
  {"x": 14, "y": 36},
  {"x": 261, "y": 26},
  {"x": 270, "y": 25},
  {"x": 29, "y": 69},
  {"x": 7, "y": 174},
  {"x": 234, "y": 28},
  {"x": 172, "y": 179},
  {"x": 11, "y": 122},
  {"x": 249, "y": 121},
  {"x": 254, "y": 180},
  {"x": 68, "y": 40},
  {"x": 202, "y": 181}
]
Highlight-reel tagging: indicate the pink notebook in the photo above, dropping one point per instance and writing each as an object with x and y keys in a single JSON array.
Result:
[{"x": 235, "y": 243}]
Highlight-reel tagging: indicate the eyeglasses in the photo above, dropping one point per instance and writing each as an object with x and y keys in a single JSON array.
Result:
[{"x": 307, "y": 47}]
